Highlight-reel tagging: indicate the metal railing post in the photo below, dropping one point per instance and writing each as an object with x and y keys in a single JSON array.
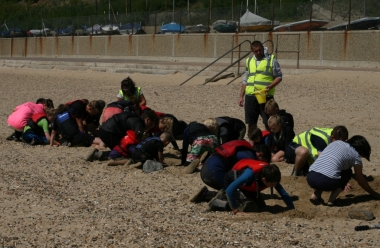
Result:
[
  {"x": 238, "y": 73},
  {"x": 298, "y": 46},
  {"x": 231, "y": 50},
  {"x": 298, "y": 57}
]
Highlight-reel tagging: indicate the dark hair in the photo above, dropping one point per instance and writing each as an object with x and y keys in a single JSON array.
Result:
[
  {"x": 182, "y": 125},
  {"x": 340, "y": 133},
  {"x": 62, "y": 108},
  {"x": 151, "y": 115},
  {"x": 49, "y": 103},
  {"x": 40, "y": 100},
  {"x": 361, "y": 145},
  {"x": 256, "y": 43},
  {"x": 128, "y": 83},
  {"x": 267, "y": 155},
  {"x": 254, "y": 132},
  {"x": 271, "y": 173}
]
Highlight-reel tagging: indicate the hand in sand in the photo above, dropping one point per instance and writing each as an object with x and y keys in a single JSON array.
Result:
[{"x": 347, "y": 187}]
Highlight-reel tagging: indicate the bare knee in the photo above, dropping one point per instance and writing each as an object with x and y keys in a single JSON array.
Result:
[{"x": 302, "y": 152}]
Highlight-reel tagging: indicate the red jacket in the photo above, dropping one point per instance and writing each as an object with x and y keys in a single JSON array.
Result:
[
  {"x": 256, "y": 166},
  {"x": 129, "y": 139}
]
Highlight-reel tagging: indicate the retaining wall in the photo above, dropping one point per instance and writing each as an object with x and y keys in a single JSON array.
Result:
[{"x": 332, "y": 48}]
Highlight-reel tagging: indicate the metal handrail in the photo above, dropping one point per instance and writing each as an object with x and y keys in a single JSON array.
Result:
[
  {"x": 298, "y": 48},
  {"x": 229, "y": 51},
  {"x": 238, "y": 75},
  {"x": 228, "y": 67}
]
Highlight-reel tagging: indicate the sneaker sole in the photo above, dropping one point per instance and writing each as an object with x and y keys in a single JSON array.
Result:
[
  {"x": 203, "y": 157},
  {"x": 192, "y": 166}
]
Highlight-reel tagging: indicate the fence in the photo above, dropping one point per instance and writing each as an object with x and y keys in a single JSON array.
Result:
[{"x": 333, "y": 10}]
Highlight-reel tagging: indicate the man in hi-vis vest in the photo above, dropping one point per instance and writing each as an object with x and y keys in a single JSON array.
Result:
[{"x": 262, "y": 73}]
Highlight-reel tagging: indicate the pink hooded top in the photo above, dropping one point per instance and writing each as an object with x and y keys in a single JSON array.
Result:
[{"x": 23, "y": 113}]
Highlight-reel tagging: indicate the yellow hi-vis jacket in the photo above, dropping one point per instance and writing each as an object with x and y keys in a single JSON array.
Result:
[
  {"x": 259, "y": 77},
  {"x": 304, "y": 140},
  {"x": 137, "y": 94}
]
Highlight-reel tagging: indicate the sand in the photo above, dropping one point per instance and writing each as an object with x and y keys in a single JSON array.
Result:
[{"x": 51, "y": 197}]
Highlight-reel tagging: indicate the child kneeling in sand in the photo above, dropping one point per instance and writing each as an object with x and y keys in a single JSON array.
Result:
[
  {"x": 332, "y": 171},
  {"x": 66, "y": 126},
  {"x": 36, "y": 131},
  {"x": 272, "y": 108},
  {"x": 151, "y": 148}
]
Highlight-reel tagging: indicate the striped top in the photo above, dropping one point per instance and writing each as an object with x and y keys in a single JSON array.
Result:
[{"x": 335, "y": 158}]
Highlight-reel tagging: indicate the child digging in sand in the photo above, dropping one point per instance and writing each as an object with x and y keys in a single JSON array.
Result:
[
  {"x": 151, "y": 148},
  {"x": 36, "y": 131},
  {"x": 332, "y": 171}
]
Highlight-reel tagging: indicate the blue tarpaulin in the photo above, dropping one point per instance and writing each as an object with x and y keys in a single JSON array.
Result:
[{"x": 172, "y": 28}]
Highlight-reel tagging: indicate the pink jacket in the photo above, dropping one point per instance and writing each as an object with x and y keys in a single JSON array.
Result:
[{"x": 23, "y": 113}]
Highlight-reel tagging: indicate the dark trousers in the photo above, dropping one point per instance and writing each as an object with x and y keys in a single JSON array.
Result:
[
  {"x": 213, "y": 172},
  {"x": 109, "y": 139},
  {"x": 319, "y": 181},
  {"x": 253, "y": 110}
]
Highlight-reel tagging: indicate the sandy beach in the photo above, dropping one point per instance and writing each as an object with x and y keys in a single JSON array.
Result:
[{"x": 50, "y": 196}]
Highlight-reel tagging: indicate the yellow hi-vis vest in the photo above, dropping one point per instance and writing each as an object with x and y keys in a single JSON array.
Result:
[
  {"x": 137, "y": 94},
  {"x": 304, "y": 140},
  {"x": 259, "y": 77}
]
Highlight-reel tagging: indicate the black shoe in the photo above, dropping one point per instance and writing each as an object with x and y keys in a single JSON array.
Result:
[
  {"x": 12, "y": 137},
  {"x": 200, "y": 195},
  {"x": 248, "y": 206},
  {"x": 90, "y": 156},
  {"x": 215, "y": 201},
  {"x": 297, "y": 173}
]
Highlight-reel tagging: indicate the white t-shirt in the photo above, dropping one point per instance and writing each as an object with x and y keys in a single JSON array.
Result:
[{"x": 335, "y": 158}]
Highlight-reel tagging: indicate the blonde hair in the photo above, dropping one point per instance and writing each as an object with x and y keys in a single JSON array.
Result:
[
  {"x": 51, "y": 112},
  {"x": 168, "y": 123},
  {"x": 275, "y": 120},
  {"x": 211, "y": 124},
  {"x": 271, "y": 106}
]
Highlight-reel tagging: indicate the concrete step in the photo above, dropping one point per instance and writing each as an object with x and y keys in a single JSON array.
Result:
[{"x": 119, "y": 67}]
